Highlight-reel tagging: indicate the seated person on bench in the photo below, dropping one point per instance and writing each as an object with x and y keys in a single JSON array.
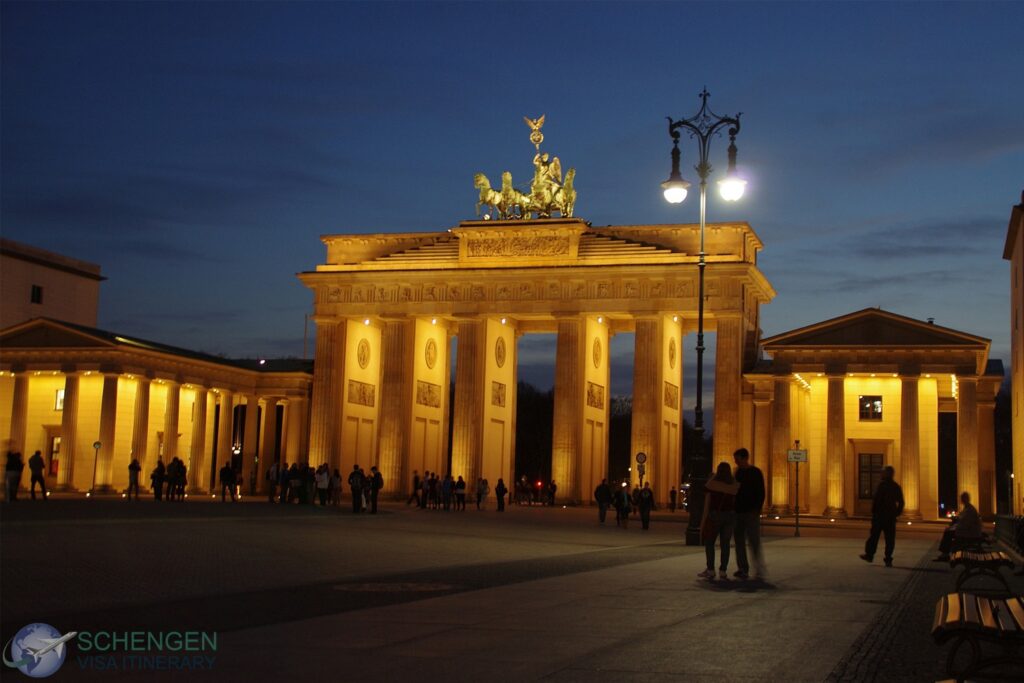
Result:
[{"x": 967, "y": 527}]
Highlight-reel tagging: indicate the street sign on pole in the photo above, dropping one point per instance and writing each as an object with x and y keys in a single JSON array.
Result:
[{"x": 797, "y": 455}]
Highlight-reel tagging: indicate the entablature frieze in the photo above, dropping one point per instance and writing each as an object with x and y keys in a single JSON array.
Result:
[
  {"x": 136, "y": 364},
  {"x": 904, "y": 360},
  {"x": 641, "y": 295}
]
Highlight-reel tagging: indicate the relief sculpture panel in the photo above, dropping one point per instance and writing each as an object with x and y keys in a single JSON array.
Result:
[
  {"x": 517, "y": 246},
  {"x": 671, "y": 396},
  {"x": 595, "y": 395},
  {"x": 428, "y": 394},
  {"x": 498, "y": 394},
  {"x": 361, "y": 393}
]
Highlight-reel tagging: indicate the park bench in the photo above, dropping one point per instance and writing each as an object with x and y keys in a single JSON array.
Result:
[
  {"x": 974, "y": 620},
  {"x": 980, "y": 564}
]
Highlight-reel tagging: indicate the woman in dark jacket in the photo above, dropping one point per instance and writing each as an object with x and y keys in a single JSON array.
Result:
[{"x": 719, "y": 519}]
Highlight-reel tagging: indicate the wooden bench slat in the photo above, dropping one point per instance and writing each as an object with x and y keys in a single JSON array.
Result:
[
  {"x": 1005, "y": 618},
  {"x": 1016, "y": 609},
  {"x": 971, "y": 615},
  {"x": 988, "y": 619},
  {"x": 954, "y": 607},
  {"x": 941, "y": 610}
]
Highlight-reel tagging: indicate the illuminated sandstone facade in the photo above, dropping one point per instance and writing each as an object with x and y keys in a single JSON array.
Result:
[
  {"x": 387, "y": 307},
  {"x": 64, "y": 387},
  {"x": 863, "y": 391}
]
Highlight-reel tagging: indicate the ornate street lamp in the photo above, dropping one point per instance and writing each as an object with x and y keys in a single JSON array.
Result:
[{"x": 703, "y": 126}]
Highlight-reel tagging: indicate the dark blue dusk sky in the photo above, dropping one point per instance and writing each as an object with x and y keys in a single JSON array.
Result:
[{"x": 197, "y": 151}]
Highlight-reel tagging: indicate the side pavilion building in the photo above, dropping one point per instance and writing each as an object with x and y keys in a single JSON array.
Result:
[
  {"x": 65, "y": 387},
  {"x": 866, "y": 390}
]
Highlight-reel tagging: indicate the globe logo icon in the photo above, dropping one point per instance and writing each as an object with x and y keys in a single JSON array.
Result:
[{"x": 37, "y": 650}]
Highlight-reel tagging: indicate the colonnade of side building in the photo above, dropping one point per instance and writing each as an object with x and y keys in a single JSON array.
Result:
[{"x": 146, "y": 407}]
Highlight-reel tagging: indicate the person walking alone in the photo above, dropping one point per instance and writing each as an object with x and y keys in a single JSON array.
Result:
[
  {"x": 133, "y": 478},
  {"x": 646, "y": 505},
  {"x": 35, "y": 467},
  {"x": 227, "y": 482},
  {"x": 719, "y": 519},
  {"x": 603, "y": 496},
  {"x": 885, "y": 508},
  {"x": 500, "y": 490},
  {"x": 749, "y": 502},
  {"x": 415, "y": 495}
]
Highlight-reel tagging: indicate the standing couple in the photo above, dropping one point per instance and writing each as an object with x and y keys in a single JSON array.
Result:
[{"x": 732, "y": 504}]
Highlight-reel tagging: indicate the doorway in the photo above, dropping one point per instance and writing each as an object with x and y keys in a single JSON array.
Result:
[{"x": 869, "y": 475}]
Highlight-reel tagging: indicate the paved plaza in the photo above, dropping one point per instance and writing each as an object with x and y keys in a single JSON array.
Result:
[{"x": 534, "y": 593}]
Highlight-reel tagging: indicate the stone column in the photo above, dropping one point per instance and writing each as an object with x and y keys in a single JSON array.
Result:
[
  {"x": 102, "y": 476},
  {"x": 268, "y": 442},
  {"x": 565, "y": 439},
  {"x": 68, "y": 432},
  {"x": 647, "y": 396},
  {"x": 467, "y": 427},
  {"x": 19, "y": 414},
  {"x": 396, "y": 402},
  {"x": 835, "y": 447},
  {"x": 986, "y": 455},
  {"x": 250, "y": 476},
  {"x": 295, "y": 421},
  {"x": 910, "y": 447},
  {"x": 171, "y": 421},
  {"x": 728, "y": 390},
  {"x": 226, "y": 422},
  {"x": 140, "y": 427},
  {"x": 762, "y": 451},
  {"x": 967, "y": 437},
  {"x": 780, "y": 444},
  {"x": 327, "y": 390},
  {"x": 197, "y": 449}
]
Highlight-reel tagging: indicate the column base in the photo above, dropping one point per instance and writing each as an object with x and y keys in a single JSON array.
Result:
[
  {"x": 779, "y": 511},
  {"x": 836, "y": 513},
  {"x": 911, "y": 515}
]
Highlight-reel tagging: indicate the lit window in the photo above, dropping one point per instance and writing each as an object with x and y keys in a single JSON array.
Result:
[
  {"x": 870, "y": 407},
  {"x": 37, "y": 294},
  {"x": 58, "y": 402}
]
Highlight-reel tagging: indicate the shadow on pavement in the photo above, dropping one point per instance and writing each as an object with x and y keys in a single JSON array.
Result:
[{"x": 728, "y": 586}]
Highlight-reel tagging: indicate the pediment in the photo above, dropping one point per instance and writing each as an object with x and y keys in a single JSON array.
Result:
[
  {"x": 874, "y": 328},
  {"x": 43, "y": 333}
]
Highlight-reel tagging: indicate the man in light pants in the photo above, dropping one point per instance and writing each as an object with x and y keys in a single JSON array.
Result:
[{"x": 749, "y": 502}]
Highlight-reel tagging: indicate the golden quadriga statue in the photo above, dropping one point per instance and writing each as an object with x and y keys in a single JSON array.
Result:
[{"x": 549, "y": 191}]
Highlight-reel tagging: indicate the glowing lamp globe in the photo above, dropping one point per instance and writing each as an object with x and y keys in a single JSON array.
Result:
[
  {"x": 675, "y": 190},
  {"x": 731, "y": 188}
]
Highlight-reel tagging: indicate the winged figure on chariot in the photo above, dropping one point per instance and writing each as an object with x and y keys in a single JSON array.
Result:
[{"x": 549, "y": 191}]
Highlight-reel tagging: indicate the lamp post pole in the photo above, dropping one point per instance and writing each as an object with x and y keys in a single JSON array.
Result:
[{"x": 703, "y": 126}]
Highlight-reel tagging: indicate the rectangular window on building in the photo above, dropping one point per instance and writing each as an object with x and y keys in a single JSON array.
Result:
[
  {"x": 58, "y": 402},
  {"x": 37, "y": 294},
  {"x": 870, "y": 407}
]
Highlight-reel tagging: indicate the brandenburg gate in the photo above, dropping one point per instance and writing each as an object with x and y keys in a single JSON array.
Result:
[{"x": 387, "y": 307}]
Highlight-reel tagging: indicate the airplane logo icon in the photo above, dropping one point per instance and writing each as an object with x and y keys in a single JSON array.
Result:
[{"x": 48, "y": 645}]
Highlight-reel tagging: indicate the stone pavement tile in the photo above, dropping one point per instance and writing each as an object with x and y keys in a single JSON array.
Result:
[
  {"x": 503, "y": 645},
  {"x": 585, "y": 675}
]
